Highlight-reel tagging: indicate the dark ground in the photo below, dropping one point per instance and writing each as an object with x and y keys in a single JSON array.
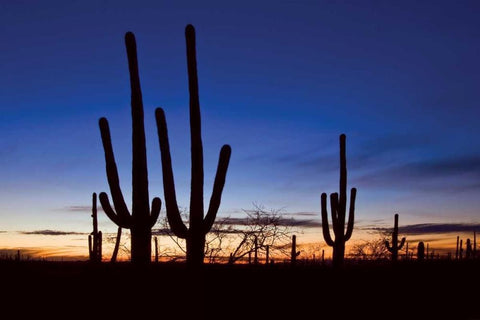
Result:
[{"x": 406, "y": 290}]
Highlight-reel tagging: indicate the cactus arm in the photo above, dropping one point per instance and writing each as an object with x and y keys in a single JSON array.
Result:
[
  {"x": 351, "y": 214},
  {"x": 173, "y": 214},
  {"x": 156, "y": 206},
  {"x": 140, "y": 196},
  {"x": 218, "y": 185},
  {"x": 387, "y": 244},
  {"x": 90, "y": 247},
  {"x": 325, "y": 228},
  {"x": 196, "y": 190},
  {"x": 402, "y": 242},
  {"x": 111, "y": 168},
  {"x": 124, "y": 221}
]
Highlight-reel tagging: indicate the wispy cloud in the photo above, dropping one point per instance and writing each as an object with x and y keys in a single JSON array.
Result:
[
  {"x": 304, "y": 214},
  {"x": 457, "y": 174},
  {"x": 361, "y": 154},
  {"x": 282, "y": 222},
  {"x": 81, "y": 208},
  {"x": 51, "y": 233},
  {"x": 432, "y": 228}
]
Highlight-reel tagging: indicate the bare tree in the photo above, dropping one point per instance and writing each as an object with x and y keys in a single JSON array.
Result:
[
  {"x": 214, "y": 242},
  {"x": 236, "y": 238},
  {"x": 373, "y": 249},
  {"x": 260, "y": 229}
]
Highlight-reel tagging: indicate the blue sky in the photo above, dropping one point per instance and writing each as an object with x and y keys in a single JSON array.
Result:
[{"x": 279, "y": 81}]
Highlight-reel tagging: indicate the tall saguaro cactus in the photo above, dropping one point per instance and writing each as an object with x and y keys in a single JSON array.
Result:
[
  {"x": 395, "y": 245},
  {"x": 95, "y": 237},
  {"x": 199, "y": 225},
  {"x": 142, "y": 219},
  {"x": 338, "y": 206}
]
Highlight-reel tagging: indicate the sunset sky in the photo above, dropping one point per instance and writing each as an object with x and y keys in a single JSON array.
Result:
[{"x": 279, "y": 81}]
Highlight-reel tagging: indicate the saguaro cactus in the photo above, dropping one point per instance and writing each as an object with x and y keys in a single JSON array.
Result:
[
  {"x": 294, "y": 253},
  {"x": 456, "y": 251},
  {"x": 421, "y": 251},
  {"x": 95, "y": 238},
  {"x": 474, "y": 244},
  {"x": 395, "y": 245},
  {"x": 338, "y": 207},
  {"x": 199, "y": 225},
  {"x": 141, "y": 220}
]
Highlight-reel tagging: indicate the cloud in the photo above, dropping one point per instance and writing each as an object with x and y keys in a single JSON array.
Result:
[
  {"x": 457, "y": 174},
  {"x": 281, "y": 222},
  {"x": 51, "y": 233},
  {"x": 304, "y": 214},
  {"x": 81, "y": 208},
  {"x": 363, "y": 154},
  {"x": 432, "y": 228}
]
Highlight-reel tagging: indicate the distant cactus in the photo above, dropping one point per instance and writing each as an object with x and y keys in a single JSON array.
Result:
[
  {"x": 457, "y": 249},
  {"x": 95, "y": 237},
  {"x": 338, "y": 207},
  {"x": 468, "y": 249},
  {"x": 395, "y": 247},
  {"x": 420, "y": 251},
  {"x": 199, "y": 225},
  {"x": 294, "y": 253},
  {"x": 142, "y": 219},
  {"x": 474, "y": 244},
  {"x": 460, "y": 250}
]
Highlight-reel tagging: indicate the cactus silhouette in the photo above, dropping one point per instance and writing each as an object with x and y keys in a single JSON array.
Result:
[
  {"x": 468, "y": 249},
  {"x": 456, "y": 251},
  {"x": 395, "y": 245},
  {"x": 474, "y": 244},
  {"x": 117, "y": 245},
  {"x": 141, "y": 220},
  {"x": 421, "y": 251},
  {"x": 294, "y": 253},
  {"x": 338, "y": 205},
  {"x": 95, "y": 238},
  {"x": 199, "y": 225}
]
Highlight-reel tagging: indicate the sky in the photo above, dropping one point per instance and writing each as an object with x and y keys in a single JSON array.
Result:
[{"x": 279, "y": 81}]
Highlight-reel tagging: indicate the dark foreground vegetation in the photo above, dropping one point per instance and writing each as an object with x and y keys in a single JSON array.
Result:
[{"x": 362, "y": 290}]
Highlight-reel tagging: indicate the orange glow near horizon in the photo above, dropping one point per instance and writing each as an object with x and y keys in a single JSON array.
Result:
[{"x": 75, "y": 247}]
